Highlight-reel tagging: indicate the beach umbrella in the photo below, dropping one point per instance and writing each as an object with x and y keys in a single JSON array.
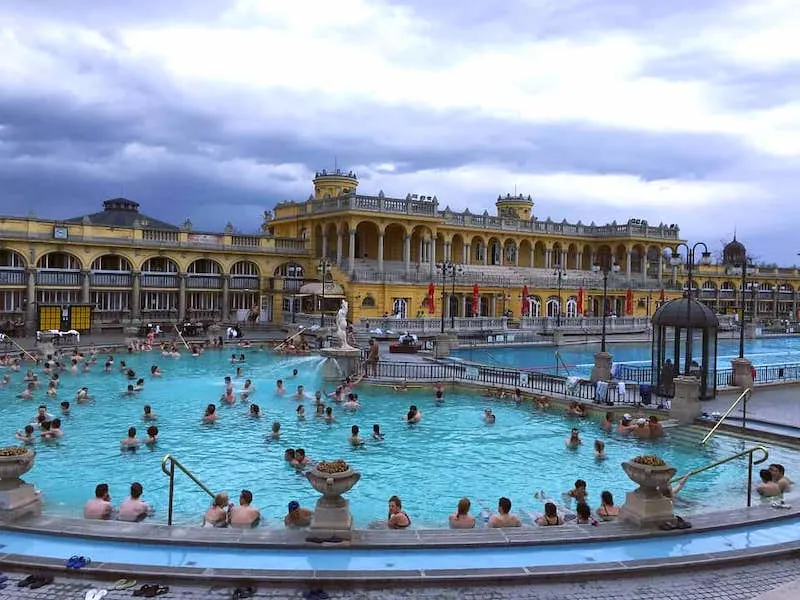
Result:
[
  {"x": 629, "y": 302},
  {"x": 475, "y": 300},
  {"x": 525, "y": 302},
  {"x": 580, "y": 301},
  {"x": 431, "y": 295}
]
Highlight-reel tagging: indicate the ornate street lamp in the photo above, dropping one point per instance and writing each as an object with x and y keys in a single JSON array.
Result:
[
  {"x": 448, "y": 269},
  {"x": 605, "y": 267},
  {"x": 691, "y": 262},
  {"x": 322, "y": 268},
  {"x": 560, "y": 272}
]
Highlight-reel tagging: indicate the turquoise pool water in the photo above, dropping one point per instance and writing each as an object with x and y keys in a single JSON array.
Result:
[
  {"x": 392, "y": 559},
  {"x": 579, "y": 358},
  {"x": 452, "y": 453}
]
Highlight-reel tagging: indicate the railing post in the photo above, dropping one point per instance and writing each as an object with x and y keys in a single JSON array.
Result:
[
  {"x": 749, "y": 479},
  {"x": 171, "y": 490},
  {"x": 744, "y": 418}
]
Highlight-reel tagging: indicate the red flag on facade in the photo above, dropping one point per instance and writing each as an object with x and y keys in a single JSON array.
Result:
[
  {"x": 661, "y": 295},
  {"x": 525, "y": 303},
  {"x": 580, "y": 301},
  {"x": 629, "y": 302},
  {"x": 475, "y": 300},
  {"x": 431, "y": 295}
]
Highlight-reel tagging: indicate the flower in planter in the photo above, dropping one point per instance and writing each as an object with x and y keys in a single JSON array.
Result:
[
  {"x": 650, "y": 460},
  {"x": 13, "y": 451},
  {"x": 333, "y": 466}
]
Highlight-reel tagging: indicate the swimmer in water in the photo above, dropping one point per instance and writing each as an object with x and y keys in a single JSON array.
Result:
[
  {"x": 148, "y": 414},
  {"x": 355, "y": 438},
  {"x": 488, "y": 416},
  {"x": 248, "y": 389},
  {"x": 414, "y": 415},
  {"x": 574, "y": 439},
  {"x": 279, "y": 389},
  {"x": 255, "y": 411},
  {"x": 376, "y": 432},
  {"x": 131, "y": 442},
  {"x": 599, "y": 449},
  {"x": 301, "y": 412},
  {"x": 152, "y": 435},
  {"x": 210, "y": 415}
]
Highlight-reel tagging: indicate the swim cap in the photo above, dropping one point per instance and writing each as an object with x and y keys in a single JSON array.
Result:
[
  {"x": 627, "y": 417},
  {"x": 293, "y": 505}
]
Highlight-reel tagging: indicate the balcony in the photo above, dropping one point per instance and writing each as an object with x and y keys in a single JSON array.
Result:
[
  {"x": 58, "y": 277},
  {"x": 245, "y": 282},
  {"x": 292, "y": 245},
  {"x": 162, "y": 236},
  {"x": 12, "y": 276},
  {"x": 160, "y": 280},
  {"x": 205, "y": 282},
  {"x": 118, "y": 280}
]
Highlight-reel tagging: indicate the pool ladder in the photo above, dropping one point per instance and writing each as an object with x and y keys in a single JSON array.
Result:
[{"x": 169, "y": 471}]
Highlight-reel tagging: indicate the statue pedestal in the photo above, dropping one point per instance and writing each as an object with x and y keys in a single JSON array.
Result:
[
  {"x": 646, "y": 506},
  {"x": 601, "y": 371},
  {"x": 685, "y": 406},
  {"x": 332, "y": 516},
  {"x": 339, "y": 362},
  {"x": 444, "y": 343},
  {"x": 17, "y": 502},
  {"x": 742, "y": 373}
]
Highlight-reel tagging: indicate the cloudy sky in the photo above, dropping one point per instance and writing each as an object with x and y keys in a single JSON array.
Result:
[{"x": 683, "y": 112}]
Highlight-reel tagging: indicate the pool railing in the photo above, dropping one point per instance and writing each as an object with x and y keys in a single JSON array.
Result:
[
  {"x": 170, "y": 472},
  {"x": 764, "y": 373}
]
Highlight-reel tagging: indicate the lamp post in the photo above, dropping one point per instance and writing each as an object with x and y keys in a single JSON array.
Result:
[
  {"x": 691, "y": 263},
  {"x": 606, "y": 267},
  {"x": 322, "y": 268},
  {"x": 448, "y": 269},
  {"x": 560, "y": 272}
]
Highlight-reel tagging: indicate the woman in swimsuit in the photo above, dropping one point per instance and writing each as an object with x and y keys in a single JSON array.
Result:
[
  {"x": 398, "y": 518},
  {"x": 550, "y": 516}
]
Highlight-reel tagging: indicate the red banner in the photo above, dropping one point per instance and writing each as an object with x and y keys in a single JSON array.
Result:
[
  {"x": 661, "y": 295},
  {"x": 431, "y": 301},
  {"x": 580, "y": 301},
  {"x": 629, "y": 302},
  {"x": 525, "y": 302},
  {"x": 475, "y": 300}
]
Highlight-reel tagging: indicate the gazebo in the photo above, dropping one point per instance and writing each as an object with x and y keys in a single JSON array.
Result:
[{"x": 685, "y": 343}]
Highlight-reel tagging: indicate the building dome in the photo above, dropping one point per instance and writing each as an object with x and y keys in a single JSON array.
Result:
[
  {"x": 734, "y": 252},
  {"x": 678, "y": 313}
]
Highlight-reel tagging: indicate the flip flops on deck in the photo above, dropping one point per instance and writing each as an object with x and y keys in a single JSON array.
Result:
[
  {"x": 124, "y": 584},
  {"x": 78, "y": 562},
  {"x": 96, "y": 594},
  {"x": 151, "y": 590},
  {"x": 36, "y": 581},
  {"x": 676, "y": 523},
  {"x": 242, "y": 593}
]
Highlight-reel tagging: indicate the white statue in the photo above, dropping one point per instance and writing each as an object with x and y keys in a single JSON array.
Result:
[{"x": 341, "y": 327}]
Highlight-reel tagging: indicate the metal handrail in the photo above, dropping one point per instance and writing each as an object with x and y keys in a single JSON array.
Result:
[
  {"x": 173, "y": 462},
  {"x": 742, "y": 398},
  {"x": 750, "y": 462}
]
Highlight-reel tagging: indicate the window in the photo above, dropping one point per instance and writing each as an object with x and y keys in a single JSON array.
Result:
[
  {"x": 400, "y": 308},
  {"x": 368, "y": 302},
  {"x": 110, "y": 262},
  {"x": 159, "y": 301},
  {"x": 289, "y": 270},
  {"x": 572, "y": 307},
  {"x": 58, "y": 296},
  {"x": 205, "y": 266},
  {"x": 111, "y": 301},
  {"x": 59, "y": 260},
  {"x": 203, "y": 301},
  {"x": 243, "y": 300},
  {"x": 159, "y": 264},
  {"x": 11, "y": 259},
  {"x": 11, "y": 300},
  {"x": 553, "y": 307},
  {"x": 245, "y": 267}
]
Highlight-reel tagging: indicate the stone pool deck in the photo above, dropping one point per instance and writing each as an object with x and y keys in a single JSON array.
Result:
[{"x": 419, "y": 539}]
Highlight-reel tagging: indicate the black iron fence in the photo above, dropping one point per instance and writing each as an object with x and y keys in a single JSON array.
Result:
[{"x": 764, "y": 374}]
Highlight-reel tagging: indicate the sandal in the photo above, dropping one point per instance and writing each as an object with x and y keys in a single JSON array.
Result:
[
  {"x": 668, "y": 526},
  {"x": 27, "y": 581},
  {"x": 242, "y": 593},
  {"x": 41, "y": 581},
  {"x": 144, "y": 589},
  {"x": 682, "y": 524},
  {"x": 156, "y": 590},
  {"x": 124, "y": 584}
]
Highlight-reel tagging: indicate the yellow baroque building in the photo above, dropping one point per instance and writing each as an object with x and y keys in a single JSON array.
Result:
[
  {"x": 118, "y": 268},
  {"x": 387, "y": 251}
]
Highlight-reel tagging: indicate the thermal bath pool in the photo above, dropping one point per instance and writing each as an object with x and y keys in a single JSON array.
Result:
[{"x": 452, "y": 453}]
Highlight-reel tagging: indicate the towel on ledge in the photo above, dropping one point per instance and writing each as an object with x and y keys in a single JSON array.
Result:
[
  {"x": 571, "y": 384},
  {"x": 601, "y": 391},
  {"x": 621, "y": 389}
]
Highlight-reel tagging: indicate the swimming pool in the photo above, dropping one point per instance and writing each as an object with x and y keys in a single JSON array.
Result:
[
  {"x": 579, "y": 358},
  {"x": 430, "y": 466}
]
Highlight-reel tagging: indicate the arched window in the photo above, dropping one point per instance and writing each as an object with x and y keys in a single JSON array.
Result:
[
  {"x": 400, "y": 308},
  {"x": 245, "y": 268},
  {"x": 572, "y": 307},
  {"x": 9, "y": 259},
  {"x": 205, "y": 266},
  {"x": 553, "y": 306},
  {"x": 159, "y": 264},
  {"x": 368, "y": 302},
  {"x": 59, "y": 260},
  {"x": 111, "y": 262}
]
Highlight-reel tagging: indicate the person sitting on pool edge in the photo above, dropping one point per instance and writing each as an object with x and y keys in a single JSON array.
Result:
[
  {"x": 461, "y": 519},
  {"x": 297, "y": 516},
  {"x": 244, "y": 515},
  {"x": 550, "y": 516},
  {"x": 398, "y": 518},
  {"x": 504, "y": 516},
  {"x": 99, "y": 507},
  {"x": 217, "y": 513},
  {"x": 133, "y": 508}
]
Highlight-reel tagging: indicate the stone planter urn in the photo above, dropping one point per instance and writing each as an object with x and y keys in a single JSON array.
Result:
[
  {"x": 332, "y": 516},
  {"x": 646, "y": 505},
  {"x": 17, "y": 498}
]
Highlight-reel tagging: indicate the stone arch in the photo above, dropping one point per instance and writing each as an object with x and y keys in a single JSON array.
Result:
[
  {"x": 246, "y": 268},
  {"x": 536, "y": 306},
  {"x": 638, "y": 258},
  {"x": 393, "y": 241},
  {"x": 11, "y": 259},
  {"x": 572, "y": 307},
  {"x": 368, "y": 301},
  {"x": 318, "y": 229},
  {"x": 709, "y": 286},
  {"x": 571, "y": 261},
  {"x": 65, "y": 261},
  {"x": 586, "y": 259},
  {"x": 494, "y": 249},
  {"x": 111, "y": 262},
  {"x": 205, "y": 266},
  {"x": 457, "y": 248},
  {"x": 420, "y": 235},
  {"x": 524, "y": 252},
  {"x": 510, "y": 251},
  {"x": 332, "y": 231},
  {"x": 160, "y": 264},
  {"x": 621, "y": 256},
  {"x": 557, "y": 255},
  {"x": 539, "y": 254},
  {"x": 604, "y": 257},
  {"x": 477, "y": 249},
  {"x": 728, "y": 286},
  {"x": 367, "y": 233},
  {"x": 289, "y": 270}
]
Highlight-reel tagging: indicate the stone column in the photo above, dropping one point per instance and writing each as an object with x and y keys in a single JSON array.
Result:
[
  {"x": 579, "y": 261},
  {"x": 660, "y": 265},
  {"x": 339, "y": 244},
  {"x": 548, "y": 258},
  {"x": 643, "y": 266},
  {"x": 685, "y": 406},
  {"x": 601, "y": 371},
  {"x": 742, "y": 373},
  {"x": 30, "y": 311},
  {"x": 465, "y": 252},
  {"x": 492, "y": 305},
  {"x": 226, "y": 298},
  {"x": 380, "y": 252},
  {"x": 407, "y": 253},
  {"x": 324, "y": 245},
  {"x": 136, "y": 295},
  {"x": 533, "y": 257},
  {"x": 629, "y": 264},
  {"x": 181, "y": 296},
  {"x": 485, "y": 254},
  {"x": 593, "y": 258},
  {"x": 447, "y": 252},
  {"x": 86, "y": 296},
  {"x": 432, "y": 257},
  {"x": 464, "y": 306},
  {"x": 352, "y": 251}
]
